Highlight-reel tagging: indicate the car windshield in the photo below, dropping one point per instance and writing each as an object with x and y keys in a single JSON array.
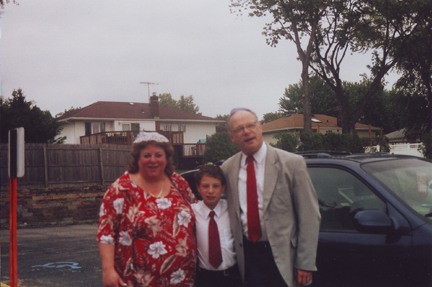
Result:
[{"x": 409, "y": 178}]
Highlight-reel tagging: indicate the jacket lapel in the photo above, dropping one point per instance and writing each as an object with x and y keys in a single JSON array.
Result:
[
  {"x": 270, "y": 176},
  {"x": 233, "y": 172}
]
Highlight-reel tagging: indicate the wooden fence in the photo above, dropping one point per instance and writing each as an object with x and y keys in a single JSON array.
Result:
[
  {"x": 50, "y": 165},
  {"x": 399, "y": 148}
]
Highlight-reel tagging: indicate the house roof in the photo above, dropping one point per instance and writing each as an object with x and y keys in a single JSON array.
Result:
[
  {"x": 130, "y": 110},
  {"x": 402, "y": 135},
  {"x": 295, "y": 121},
  {"x": 397, "y": 135}
]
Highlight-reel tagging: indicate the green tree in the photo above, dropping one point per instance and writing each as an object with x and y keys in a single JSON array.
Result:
[
  {"x": 380, "y": 111},
  {"x": 322, "y": 98},
  {"x": 3, "y": 2},
  {"x": 72, "y": 109},
  {"x": 185, "y": 104},
  {"x": 360, "y": 26},
  {"x": 415, "y": 63},
  {"x": 292, "y": 20},
  {"x": 222, "y": 127},
  {"x": 39, "y": 126},
  {"x": 411, "y": 105},
  {"x": 166, "y": 100},
  {"x": 218, "y": 147}
]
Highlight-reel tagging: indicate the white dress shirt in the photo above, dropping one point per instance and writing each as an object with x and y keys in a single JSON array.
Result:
[
  {"x": 226, "y": 236},
  {"x": 259, "y": 163}
]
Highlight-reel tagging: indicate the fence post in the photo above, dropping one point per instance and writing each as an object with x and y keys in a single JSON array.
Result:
[
  {"x": 45, "y": 165},
  {"x": 101, "y": 166}
]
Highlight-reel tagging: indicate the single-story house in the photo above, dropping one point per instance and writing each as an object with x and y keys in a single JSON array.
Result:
[
  {"x": 402, "y": 136},
  {"x": 294, "y": 124},
  {"x": 109, "y": 118}
]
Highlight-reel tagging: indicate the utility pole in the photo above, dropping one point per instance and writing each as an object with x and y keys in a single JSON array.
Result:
[{"x": 148, "y": 88}]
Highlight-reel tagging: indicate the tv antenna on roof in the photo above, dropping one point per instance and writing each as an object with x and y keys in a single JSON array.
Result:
[{"x": 148, "y": 88}]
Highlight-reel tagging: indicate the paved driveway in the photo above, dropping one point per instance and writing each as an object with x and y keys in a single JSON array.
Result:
[{"x": 65, "y": 256}]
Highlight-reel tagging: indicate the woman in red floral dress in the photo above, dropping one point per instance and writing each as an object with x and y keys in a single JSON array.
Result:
[{"x": 146, "y": 222}]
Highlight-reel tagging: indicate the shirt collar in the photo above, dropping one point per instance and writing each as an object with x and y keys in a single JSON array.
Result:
[
  {"x": 217, "y": 209},
  {"x": 259, "y": 156}
]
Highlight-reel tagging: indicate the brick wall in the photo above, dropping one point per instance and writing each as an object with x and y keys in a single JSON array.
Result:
[{"x": 38, "y": 206}]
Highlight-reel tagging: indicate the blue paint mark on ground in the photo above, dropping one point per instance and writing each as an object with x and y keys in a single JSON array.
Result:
[{"x": 72, "y": 265}]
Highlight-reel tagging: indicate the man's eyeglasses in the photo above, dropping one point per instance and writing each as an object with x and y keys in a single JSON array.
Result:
[{"x": 242, "y": 129}]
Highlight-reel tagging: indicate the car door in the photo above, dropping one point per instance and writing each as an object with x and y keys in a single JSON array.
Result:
[{"x": 346, "y": 256}]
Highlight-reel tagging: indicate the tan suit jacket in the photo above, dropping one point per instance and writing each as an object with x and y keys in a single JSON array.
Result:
[{"x": 291, "y": 211}]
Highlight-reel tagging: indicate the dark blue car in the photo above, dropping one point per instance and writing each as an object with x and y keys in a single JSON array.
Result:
[{"x": 376, "y": 226}]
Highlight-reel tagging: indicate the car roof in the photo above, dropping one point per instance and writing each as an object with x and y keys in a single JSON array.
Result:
[{"x": 323, "y": 157}]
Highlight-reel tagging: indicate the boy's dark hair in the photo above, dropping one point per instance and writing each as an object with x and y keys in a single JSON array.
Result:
[{"x": 212, "y": 170}]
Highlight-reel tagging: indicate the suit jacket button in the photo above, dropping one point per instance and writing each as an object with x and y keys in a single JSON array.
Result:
[{"x": 241, "y": 244}]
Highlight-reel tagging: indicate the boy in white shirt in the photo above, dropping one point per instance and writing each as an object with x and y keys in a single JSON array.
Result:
[{"x": 216, "y": 256}]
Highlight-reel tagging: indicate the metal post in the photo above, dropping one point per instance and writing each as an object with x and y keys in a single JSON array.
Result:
[
  {"x": 13, "y": 209},
  {"x": 101, "y": 166},
  {"x": 45, "y": 165}
]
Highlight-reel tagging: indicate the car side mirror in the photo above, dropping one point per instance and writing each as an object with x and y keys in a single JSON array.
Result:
[{"x": 372, "y": 221}]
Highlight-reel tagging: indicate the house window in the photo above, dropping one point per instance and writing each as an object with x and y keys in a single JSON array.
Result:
[
  {"x": 95, "y": 128},
  {"x": 135, "y": 127},
  {"x": 87, "y": 129},
  {"x": 126, "y": 127},
  {"x": 166, "y": 127},
  {"x": 181, "y": 127}
]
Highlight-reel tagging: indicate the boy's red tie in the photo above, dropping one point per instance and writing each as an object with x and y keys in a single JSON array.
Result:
[{"x": 215, "y": 253}]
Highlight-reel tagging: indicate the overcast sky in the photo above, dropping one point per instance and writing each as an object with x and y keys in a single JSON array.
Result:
[{"x": 76, "y": 52}]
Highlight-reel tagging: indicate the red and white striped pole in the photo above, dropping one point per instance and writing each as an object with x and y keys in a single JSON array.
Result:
[{"x": 16, "y": 169}]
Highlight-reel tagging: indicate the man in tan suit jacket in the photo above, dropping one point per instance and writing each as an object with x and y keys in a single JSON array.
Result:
[{"x": 288, "y": 209}]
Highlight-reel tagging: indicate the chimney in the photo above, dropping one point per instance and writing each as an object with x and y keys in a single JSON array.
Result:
[{"x": 154, "y": 106}]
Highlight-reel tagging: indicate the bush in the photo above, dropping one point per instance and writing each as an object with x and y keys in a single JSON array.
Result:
[
  {"x": 384, "y": 145},
  {"x": 312, "y": 142},
  {"x": 286, "y": 141},
  {"x": 331, "y": 142},
  {"x": 219, "y": 146},
  {"x": 354, "y": 143},
  {"x": 426, "y": 149}
]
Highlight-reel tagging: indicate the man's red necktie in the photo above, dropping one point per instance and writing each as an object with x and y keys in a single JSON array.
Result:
[
  {"x": 215, "y": 253},
  {"x": 253, "y": 221}
]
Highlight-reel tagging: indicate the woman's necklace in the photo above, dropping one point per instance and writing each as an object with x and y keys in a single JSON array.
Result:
[{"x": 160, "y": 192}]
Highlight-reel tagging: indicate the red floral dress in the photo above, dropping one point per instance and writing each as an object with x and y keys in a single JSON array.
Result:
[{"x": 154, "y": 237}]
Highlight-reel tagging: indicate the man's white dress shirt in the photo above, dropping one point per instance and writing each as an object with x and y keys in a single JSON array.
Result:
[{"x": 259, "y": 163}]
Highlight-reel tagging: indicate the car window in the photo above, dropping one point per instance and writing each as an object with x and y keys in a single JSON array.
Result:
[
  {"x": 340, "y": 196},
  {"x": 409, "y": 179}
]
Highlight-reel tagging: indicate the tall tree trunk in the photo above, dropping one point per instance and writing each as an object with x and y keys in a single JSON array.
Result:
[
  {"x": 307, "y": 114},
  {"x": 305, "y": 57}
]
